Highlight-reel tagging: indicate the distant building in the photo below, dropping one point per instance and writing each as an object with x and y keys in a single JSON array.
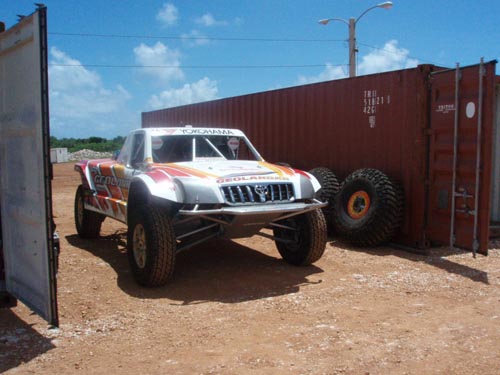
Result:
[{"x": 58, "y": 155}]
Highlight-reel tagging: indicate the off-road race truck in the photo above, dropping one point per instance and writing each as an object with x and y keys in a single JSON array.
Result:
[{"x": 178, "y": 187}]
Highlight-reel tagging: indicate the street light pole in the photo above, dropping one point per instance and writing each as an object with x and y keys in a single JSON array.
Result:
[
  {"x": 352, "y": 33},
  {"x": 352, "y": 47}
]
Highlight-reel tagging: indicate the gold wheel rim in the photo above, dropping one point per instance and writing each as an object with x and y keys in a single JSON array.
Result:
[
  {"x": 139, "y": 246},
  {"x": 358, "y": 204}
]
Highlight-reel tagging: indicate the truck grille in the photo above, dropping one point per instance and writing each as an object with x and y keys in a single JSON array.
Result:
[{"x": 258, "y": 193}]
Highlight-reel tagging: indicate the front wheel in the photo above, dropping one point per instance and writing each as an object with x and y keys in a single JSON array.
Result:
[
  {"x": 151, "y": 246},
  {"x": 301, "y": 239}
]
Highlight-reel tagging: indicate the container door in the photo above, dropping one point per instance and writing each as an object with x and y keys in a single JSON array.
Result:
[
  {"x": 495, "y": 190},
  {"x": 25, "y": 187},
  {"x": 460, "y": 159}
]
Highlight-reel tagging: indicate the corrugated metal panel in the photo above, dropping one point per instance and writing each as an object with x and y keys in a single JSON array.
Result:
[
  {"x": 378, "y": 121},
  {"x": 495, "y": 188},
  {"x": 465, "y": 103},
  {"x": 26, "y": 198}
]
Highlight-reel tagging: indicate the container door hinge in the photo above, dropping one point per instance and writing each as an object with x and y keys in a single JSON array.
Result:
[{"x": 464, "y": 207}]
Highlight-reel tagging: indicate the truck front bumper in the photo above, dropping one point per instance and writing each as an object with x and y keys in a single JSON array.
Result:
[{"x": 273, "y": 209}]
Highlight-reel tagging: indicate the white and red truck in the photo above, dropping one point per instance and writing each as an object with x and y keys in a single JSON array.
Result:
[{"x": 179, "y": 187}]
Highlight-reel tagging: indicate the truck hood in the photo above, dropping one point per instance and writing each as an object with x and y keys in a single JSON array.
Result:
[
  {"x": 201, "y": 181},
  {"x": 231, "y": 171}
]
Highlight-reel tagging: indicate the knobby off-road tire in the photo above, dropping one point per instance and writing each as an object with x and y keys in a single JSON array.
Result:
[
  {"x": 88, "y": 223},
  {"x": 368, "y": 208},
  {"x": 330, "y": 186},
  {"x": 305, "y": 236},
  {"x": 151, "y": 245}
]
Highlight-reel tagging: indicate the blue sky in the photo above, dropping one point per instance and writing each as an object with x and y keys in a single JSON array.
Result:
[{"x": 111, "y": 60}]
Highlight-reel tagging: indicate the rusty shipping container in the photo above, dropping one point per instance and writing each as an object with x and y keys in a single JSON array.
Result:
[{"x": 432, "y": 129}]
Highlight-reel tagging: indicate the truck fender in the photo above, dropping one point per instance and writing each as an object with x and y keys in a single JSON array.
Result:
[
  {"x": 158, "y": 185},
  {"x": 314, "y": 181},
  {"x": 84, "y": 171},
  {"x": 309, "y": 185}
]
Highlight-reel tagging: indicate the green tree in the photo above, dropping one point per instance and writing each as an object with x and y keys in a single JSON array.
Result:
[{"x": 92, "y": 143}]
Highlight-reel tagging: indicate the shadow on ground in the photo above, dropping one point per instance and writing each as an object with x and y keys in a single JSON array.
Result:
[
  {"x": 435, "y": 256},
  {"x": 219, "y": 270},
  {"x": 19, "y": 342}
]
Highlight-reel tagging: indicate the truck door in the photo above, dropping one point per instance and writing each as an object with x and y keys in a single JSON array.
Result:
[
  {"x": 25, "y": 187},
  {"x": 460, "y": 158}
]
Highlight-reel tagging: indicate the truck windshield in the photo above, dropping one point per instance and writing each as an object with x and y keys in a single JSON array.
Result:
[{"x": 182, "y": 148}]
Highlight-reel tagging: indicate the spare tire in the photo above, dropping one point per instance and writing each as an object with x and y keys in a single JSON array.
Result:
[
  {"x": 368, "y": 208},
  {"x": 329, "y": 188}
]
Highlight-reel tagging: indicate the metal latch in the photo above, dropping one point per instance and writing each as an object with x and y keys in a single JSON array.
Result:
[{"x": 462, "y": 193}]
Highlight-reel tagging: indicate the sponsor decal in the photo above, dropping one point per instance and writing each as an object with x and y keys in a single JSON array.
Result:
[
  {"x": 156, "y": 143},
  {"x": 224, "y": 180},
  {"x": 233, "y": 143},
  {"x": 190, "y": 131},
  {"x": 112, "y": 181}
]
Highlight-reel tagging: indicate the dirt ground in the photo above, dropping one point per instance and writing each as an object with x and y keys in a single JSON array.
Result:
[{"x": 234, "y": 307}]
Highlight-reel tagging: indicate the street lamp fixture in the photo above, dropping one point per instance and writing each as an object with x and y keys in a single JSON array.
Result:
[{"x": 352, "y": 33}]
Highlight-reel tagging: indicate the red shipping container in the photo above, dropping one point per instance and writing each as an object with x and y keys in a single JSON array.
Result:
[{"x": 402, "y": 123}]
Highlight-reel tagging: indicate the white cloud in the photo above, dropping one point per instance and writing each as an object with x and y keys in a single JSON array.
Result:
[
  {"x": 168, "y": 14},
  {"x": 203, "y": 90},
  {"x": 388, "y": 58},
  {"x": 80, "y": 104},
  {"x": 208, "y": 20},
  {"x": 65, "y": 77},
  {"x": 157, "y": 57},
  {"x": 195, "y": 38},
  {"x": 330, "y": 72}
]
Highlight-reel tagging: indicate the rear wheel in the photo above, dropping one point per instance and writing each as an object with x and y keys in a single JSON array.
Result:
[
  {"x": 368, "y": 208},
  {"x": 88, "y": 223},
  {"x": 301, "y": 239},
  {"x": 151, "y": 246}
]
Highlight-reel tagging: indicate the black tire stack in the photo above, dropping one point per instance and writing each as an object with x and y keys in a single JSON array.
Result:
[
  {"x": 330, "y": 186},
  {"x": 366, "y": 209}
]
